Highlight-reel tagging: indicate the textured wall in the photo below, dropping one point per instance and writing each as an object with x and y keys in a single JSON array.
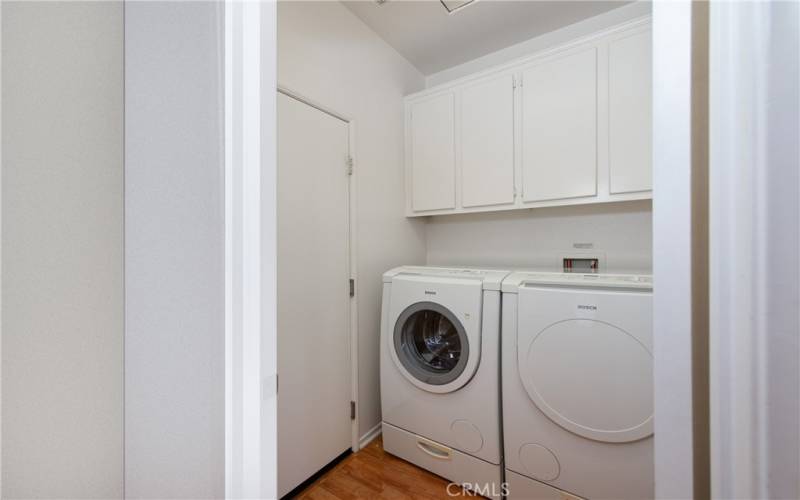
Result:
[
  {"x": 174, "y": 251},
  {"x": 62, "y": 257}
]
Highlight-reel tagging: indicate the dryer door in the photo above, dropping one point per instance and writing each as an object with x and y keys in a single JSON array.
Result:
[
  {"x": 585, "y": 360},
  {"x": 431, "y": 343}
]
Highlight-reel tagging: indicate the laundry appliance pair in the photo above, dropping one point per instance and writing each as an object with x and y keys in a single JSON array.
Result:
[{"x": 520, "y": 384}]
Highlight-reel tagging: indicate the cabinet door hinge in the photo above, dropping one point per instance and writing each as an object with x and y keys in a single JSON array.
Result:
[
  {"x": 349, "y": 165},
  {"x": 352, "y": 287},
  {"x": 352, "y": 410}
]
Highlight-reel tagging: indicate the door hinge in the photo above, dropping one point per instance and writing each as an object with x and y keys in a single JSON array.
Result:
[
  {"x": 349, "y": 164},
  {"x": 352, "y": 410},
  {"x": 352, "y": 287},
  {"x": 513, "y": 81}
]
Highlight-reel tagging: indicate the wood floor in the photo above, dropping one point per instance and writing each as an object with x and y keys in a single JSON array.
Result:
[{"x": 373, "y": 473}]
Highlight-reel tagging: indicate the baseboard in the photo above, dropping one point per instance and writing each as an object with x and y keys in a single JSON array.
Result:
[{"x": 369, "y": 436}]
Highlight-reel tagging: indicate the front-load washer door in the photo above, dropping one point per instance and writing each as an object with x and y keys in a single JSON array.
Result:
[
  {"x": 431, "y": 343},
  {"x": 585, "y": 359},
  {"x": 435, "y": 339}
]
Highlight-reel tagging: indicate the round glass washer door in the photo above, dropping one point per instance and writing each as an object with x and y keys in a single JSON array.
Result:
[{"x": 431, "y": 343}]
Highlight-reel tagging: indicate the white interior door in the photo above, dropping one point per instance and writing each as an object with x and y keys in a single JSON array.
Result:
[{"x": 314, "y": 425}]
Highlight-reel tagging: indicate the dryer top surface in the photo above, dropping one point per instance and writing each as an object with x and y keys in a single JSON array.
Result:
[
  {"x": 517, "y": 280},
  {"x": 491, "y": 278}
]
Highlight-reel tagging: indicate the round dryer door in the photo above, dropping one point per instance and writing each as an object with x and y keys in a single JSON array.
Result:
[
  {"x": 431, "y": 343},
  {"x": 591, "y": 378}
]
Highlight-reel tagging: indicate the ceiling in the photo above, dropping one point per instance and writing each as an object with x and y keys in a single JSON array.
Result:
[{"x": 433, "y": 40}]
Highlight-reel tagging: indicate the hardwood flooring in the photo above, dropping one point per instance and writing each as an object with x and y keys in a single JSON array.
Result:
[{"x": 373, "y": 473}]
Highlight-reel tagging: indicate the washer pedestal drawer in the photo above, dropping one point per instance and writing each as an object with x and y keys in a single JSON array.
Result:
[
  {"x": 525, "y": 488},
  {"x": 462, "y": 469}
]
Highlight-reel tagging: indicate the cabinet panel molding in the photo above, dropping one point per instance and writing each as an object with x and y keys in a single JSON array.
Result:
[
  {"x": 433, "y": 158},
  {"x": 487, "y": 143},
  {"x": 630, "y": 113},
  {"x": 559, "y": 128}
]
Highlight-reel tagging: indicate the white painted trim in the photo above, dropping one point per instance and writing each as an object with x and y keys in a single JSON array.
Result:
[
  {"x": 1, "y": 254},
  {"x": 314, "y": 104},
  {"x": 673, "y": 249},
  {"x": 354, "y": 275},
  {"x": 268, "y": 112},
  {"x": 232, "y": 396},
  {"x": 352, "y": 249},
  {"x": 733, "y": 360},
  {"x": 754, "y": 112},
  {"x": 231, "y": 399},
  {"x": 370, "y": 436},
  {"x": 250, "y": 250}
]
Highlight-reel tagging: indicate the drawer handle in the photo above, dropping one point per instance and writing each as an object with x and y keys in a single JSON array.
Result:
[{"x": 434, "y": 450}]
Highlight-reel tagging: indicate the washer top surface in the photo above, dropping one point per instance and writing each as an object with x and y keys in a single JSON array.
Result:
[
  {"x": 516, "y": 280},
  {"x": 491, "y": 278}
]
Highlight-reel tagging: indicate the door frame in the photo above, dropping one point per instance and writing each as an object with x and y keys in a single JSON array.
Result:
[
  {"x": 680, "y": 248},
  {"x": 754, "y": 188},
  {"x": 352, "y": 246},
  {"x": 250, "y": 68}
]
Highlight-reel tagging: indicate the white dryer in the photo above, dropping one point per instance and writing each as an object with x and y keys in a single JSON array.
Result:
[
  {"x": 577, "y": 385},
  {"x": 440, "y": 335}
]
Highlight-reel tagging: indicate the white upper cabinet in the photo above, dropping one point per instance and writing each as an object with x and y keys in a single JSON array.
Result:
[
  {"x": 568, "y": 125},
  {"x": 630, "y": 112},
  {"x": 433, "y": 158},
  {"x": 487, "y": 143},
  {"x": 559, "y": 127}
]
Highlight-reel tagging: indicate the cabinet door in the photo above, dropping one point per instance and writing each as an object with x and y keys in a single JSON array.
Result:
[
  {"x": 630, "y": 113},
  {"x": 559, "y": 128},
  {"x": 487, "y": 143},
  {"x": 433, "y": 161}
]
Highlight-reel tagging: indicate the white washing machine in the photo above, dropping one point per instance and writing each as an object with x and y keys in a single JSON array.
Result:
[
  {"x": 577, "y": 385},
  {"x": 440, "y": 333}
]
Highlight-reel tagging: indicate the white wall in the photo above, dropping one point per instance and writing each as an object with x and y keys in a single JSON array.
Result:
[
  {"x": 523, "y": 49},
  {"x": 328, "y": 55},
  {"x": 62, "y": 214},
  {"x": 539, "y": 238},
  {"x": 174, "y": 239}
]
